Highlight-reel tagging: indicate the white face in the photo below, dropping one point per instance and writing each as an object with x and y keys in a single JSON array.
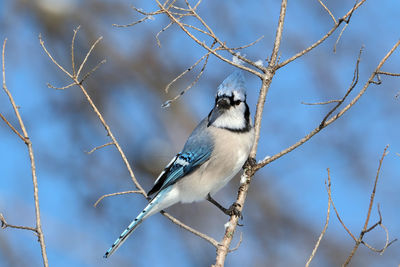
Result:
[{"x": 230, "y": 113}]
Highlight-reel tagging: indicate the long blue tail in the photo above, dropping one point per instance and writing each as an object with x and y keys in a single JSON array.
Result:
[{"x": 134, "y": 224}]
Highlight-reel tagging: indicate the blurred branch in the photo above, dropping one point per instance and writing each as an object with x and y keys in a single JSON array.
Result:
[
  {"x": 365, "y": 229},
  {"x": 140, "y": 190},
  {"x": 25, "y": 138},
  {"x": 328, "y": 189}
]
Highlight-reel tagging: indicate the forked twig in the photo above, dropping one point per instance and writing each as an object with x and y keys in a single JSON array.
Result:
[{"x": 365, "y": 229}]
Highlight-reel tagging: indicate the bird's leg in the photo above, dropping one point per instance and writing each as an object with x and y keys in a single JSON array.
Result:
[{"x": 232, "y": 210}]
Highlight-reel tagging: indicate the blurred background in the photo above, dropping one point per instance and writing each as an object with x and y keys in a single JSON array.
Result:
[{"x": 286, "y": 206}]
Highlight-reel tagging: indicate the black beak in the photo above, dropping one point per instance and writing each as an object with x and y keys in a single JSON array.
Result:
[{"x": 223, "y": 103}]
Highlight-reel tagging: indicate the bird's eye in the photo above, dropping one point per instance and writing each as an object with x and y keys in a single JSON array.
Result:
[{"x": 237, "y": 102}]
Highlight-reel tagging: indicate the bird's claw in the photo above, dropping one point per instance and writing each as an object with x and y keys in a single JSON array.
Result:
[
  {"x": 250, "y": 163},
  {"x": 234, "y": 210}
]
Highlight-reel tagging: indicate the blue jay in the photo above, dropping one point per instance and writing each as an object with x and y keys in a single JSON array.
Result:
[{"x": 215, "y": 151}]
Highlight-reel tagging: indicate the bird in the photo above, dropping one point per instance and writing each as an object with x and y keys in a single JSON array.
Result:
[{"x": 213, "y": 154}]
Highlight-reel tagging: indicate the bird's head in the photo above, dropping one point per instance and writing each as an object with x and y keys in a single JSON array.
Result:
[{"x": 231, "y": 111}]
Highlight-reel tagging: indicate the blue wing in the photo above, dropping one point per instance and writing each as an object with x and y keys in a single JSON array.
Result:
[
  {"x": 196, "y": 151},
  {"x": 183, "y": 164}
]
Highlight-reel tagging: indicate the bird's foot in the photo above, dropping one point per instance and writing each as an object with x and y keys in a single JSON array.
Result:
[
  {"x": 234, "y": 210},
  {"x": 250, "y": 163}
]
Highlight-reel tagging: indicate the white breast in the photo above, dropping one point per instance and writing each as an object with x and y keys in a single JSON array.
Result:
[{"x": 231, "y": 150}]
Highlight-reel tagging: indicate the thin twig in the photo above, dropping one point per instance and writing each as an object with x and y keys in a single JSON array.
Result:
[
  {"x": 322, "y": 103},
  {"x": 72, "y": 50},
  {"x": 60, "y": 88},
  {"x": 211, "y": 240},
  {"x": 238, "y": 244},
  {"x": 12, "y": 127},
  {"x": 327, "y": 10},
  {"x": 340, "y": 35},
  {"x": 52, "y": 59},
  {"x": 116, "y": 194},
  {"x": 328, "y": 188},
  {"x": 184, "y": 72},
  {"x": 87, "y": 55},
  {"x": 341, "y": 222},
  {"x": 4, "y": 225},
  {"x": 168, "y": 102},
  {"x": 33, "y": 165},
  {"x": 351, "y": 87},
  {"x": 388, "y": 73},
  {"x": 371, "y": 202},
  {"x": 92, "y": 70},
  {"x": 98, "y": 147}
]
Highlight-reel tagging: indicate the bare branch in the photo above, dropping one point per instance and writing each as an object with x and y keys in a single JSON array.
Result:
[
  {"x": 371, "y": 202},
  {"x": 327, "y": 10},
  {"x": 12, "y": 127},
  {"x": 168, "y": 102},
  {"x": 211, "y": 240},
  {"x": 72, "y": 50},
  {"x": 87, "y": 55},
  {"x": 342, "y": 223},
  {"x": 52, "y": 59},
  {"x": 209, "y": 49},
  {"x": 332, "y": 119},
  {"x": 238, "y": 244},
  {"x": 98, "y": 147},
  {"x": 92, "y": 70},
  {"x": 388, "y": 73},
  {"x": 60, "y": 88},
  {"x": 329, "y": 33},
  {"x": 322, "y": 103},
  {"x": 32, "y": 159},
  {"x": 328, "y": 188},
  {"x": 4, "y": 225},
  {"x": 116, "y": 194},
  {"x": 132, "y": 23},
  {"x": 340, "y": 35},
  {"x": 352, "y": 85}
]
